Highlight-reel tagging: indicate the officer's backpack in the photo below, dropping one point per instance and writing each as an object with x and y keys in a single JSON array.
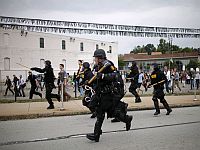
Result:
[{"x": 120, "y": 85}]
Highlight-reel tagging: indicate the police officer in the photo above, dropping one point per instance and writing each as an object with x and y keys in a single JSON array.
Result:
[
  {"x": 49, "y": 82},
  {"x": 33, "y": 80},
  {"x": 134, "y": 75},
  {"x": 87, "y": 75},
  {"x": 9, "y": 85},
  {"x": 108, "y": 93},
  {"x": 157, "y": 76}
]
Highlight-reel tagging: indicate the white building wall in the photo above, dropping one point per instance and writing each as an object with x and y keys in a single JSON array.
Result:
[{"x": 26, "y": 50}]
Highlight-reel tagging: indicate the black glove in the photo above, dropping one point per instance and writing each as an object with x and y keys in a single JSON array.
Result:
[
  {"x": 33, "y": 68},
  {"x": 86, "y": 82},
  {"x": 99, "y": 75}
]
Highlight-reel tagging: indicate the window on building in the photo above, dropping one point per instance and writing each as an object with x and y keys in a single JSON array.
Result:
[
  {"x": 81, "y": 46},
  {"x": 63, "y": 45},
  {"x": 6, "y": 63},
  {"x": 5, "y": 39},
  {"x": 41, "y": 42},
  {"x": 110, "y": 49},
  {"x": 97, "y": 46}
]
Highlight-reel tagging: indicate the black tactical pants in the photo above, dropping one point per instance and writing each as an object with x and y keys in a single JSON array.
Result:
[
  {"x": 132, "y": 89},
  {"x": 159, "y": 94},
  {"x": 116, "y": 110},
  {"x": 32, "y": 91},
  {"x": 9, "y": 88},
  {"x": 49, "y": 95}
]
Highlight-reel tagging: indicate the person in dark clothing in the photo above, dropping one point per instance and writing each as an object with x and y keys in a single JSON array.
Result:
[
  {"x": 33, "y": 80},
  {"x": 108, "y": 93},
  {"x": 15, "y": 83},
  {"x": 49, "y": 82},
  {"x": 158, "y": 79},
  {"x": 133, "y": 76},
  {"x": 87, "y": 75},
  {"x": 9, "y": 85}
]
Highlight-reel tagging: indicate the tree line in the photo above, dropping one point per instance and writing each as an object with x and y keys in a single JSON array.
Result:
[{"x": 163, "y": 47}]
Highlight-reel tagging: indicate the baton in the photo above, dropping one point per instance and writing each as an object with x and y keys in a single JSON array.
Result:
[
  {"x": 23, "y": 66},
  {"x": 94, "y": 77},
  {"x": 158, "y": 83},
  {"x": 129, "y": 78}
]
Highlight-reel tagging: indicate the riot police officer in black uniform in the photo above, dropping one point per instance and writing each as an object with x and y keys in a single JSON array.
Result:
[
  {"x": 157, "y": 76},
  {"x": 87, "y": 75},
  {"x": 134, "y": 75},
  {"x": 108, "y": 95},
  {"x": 32, "y": 78},
  {"x": 49, "y": 82}
]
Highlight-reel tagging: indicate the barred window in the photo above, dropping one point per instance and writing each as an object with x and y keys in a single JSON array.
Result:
[
  {"x": 6, "y": 63},
  {"x": 81, "y": 46},
  {"x": 41, "y": 42},
  {"x": 63, "y": 45}
]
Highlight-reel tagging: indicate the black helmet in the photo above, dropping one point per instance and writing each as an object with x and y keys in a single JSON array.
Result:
[
  {"x": 99, "y": 53},
  {"x": 48, "y": 62},
  {"x": 86, "y": 65},
  {"x": 155, "y": 66},
  {"x": 134, "y": 63}
]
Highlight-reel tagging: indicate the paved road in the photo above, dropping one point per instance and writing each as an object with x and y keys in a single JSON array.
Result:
[{"x": 180, "y": 130}]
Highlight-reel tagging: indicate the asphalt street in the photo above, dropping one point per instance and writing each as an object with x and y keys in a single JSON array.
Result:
[{"x": 178, "y": 131}]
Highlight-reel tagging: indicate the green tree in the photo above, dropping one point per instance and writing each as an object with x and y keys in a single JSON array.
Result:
[
  {"x": 163, "y": 46},
  {"x": 193, "y": 64},
  {"x": 172, "y": 64},
  {"x": 149, "y": 48},
  {"x": 187, "y": 49},
  {"x": 176, "y": 48},
  {"x": 138, "y": 49}
]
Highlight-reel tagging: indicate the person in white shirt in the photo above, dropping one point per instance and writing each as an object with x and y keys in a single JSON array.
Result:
[
  {"x": 168, "y": 76},
  {"x": 197, "y": 78},
  {"x": 22, "y": 85},
  {"x": 140, "y": 81}
]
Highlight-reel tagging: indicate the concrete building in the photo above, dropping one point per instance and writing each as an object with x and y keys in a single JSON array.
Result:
[
  {"x": 33, "y": 48},
  {"x": 145, "y": 61}
]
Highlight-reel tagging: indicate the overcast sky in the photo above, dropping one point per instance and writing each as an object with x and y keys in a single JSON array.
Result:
[{"x": 167, "y": 13}]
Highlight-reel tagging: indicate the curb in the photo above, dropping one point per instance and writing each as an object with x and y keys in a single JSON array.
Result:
[{"x": 58, "y": 114}]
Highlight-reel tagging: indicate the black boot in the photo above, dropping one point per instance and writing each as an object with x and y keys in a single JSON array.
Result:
[
  {"x": 156, "y": 113},
  {"x": 40, "y": 95},
  {"x": 156, "y": 105},
  {"x": 169, "y": 111},
  {"x": 115, "y": 120},
  {"x": 50, "y": 107},
  {"x": 97, "y": 129},
  {"x": 58, "y": 98},
  {"x": 166, "y": 105},
  {"x": 93, "y": 137},
  {"x": 128, "y": 122},
  {"x": 138, "y": 100},
  {"x": 93, "y": 115}
]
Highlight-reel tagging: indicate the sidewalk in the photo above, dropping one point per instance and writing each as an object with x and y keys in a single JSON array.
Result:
[{"x": 12, "y": 111}]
